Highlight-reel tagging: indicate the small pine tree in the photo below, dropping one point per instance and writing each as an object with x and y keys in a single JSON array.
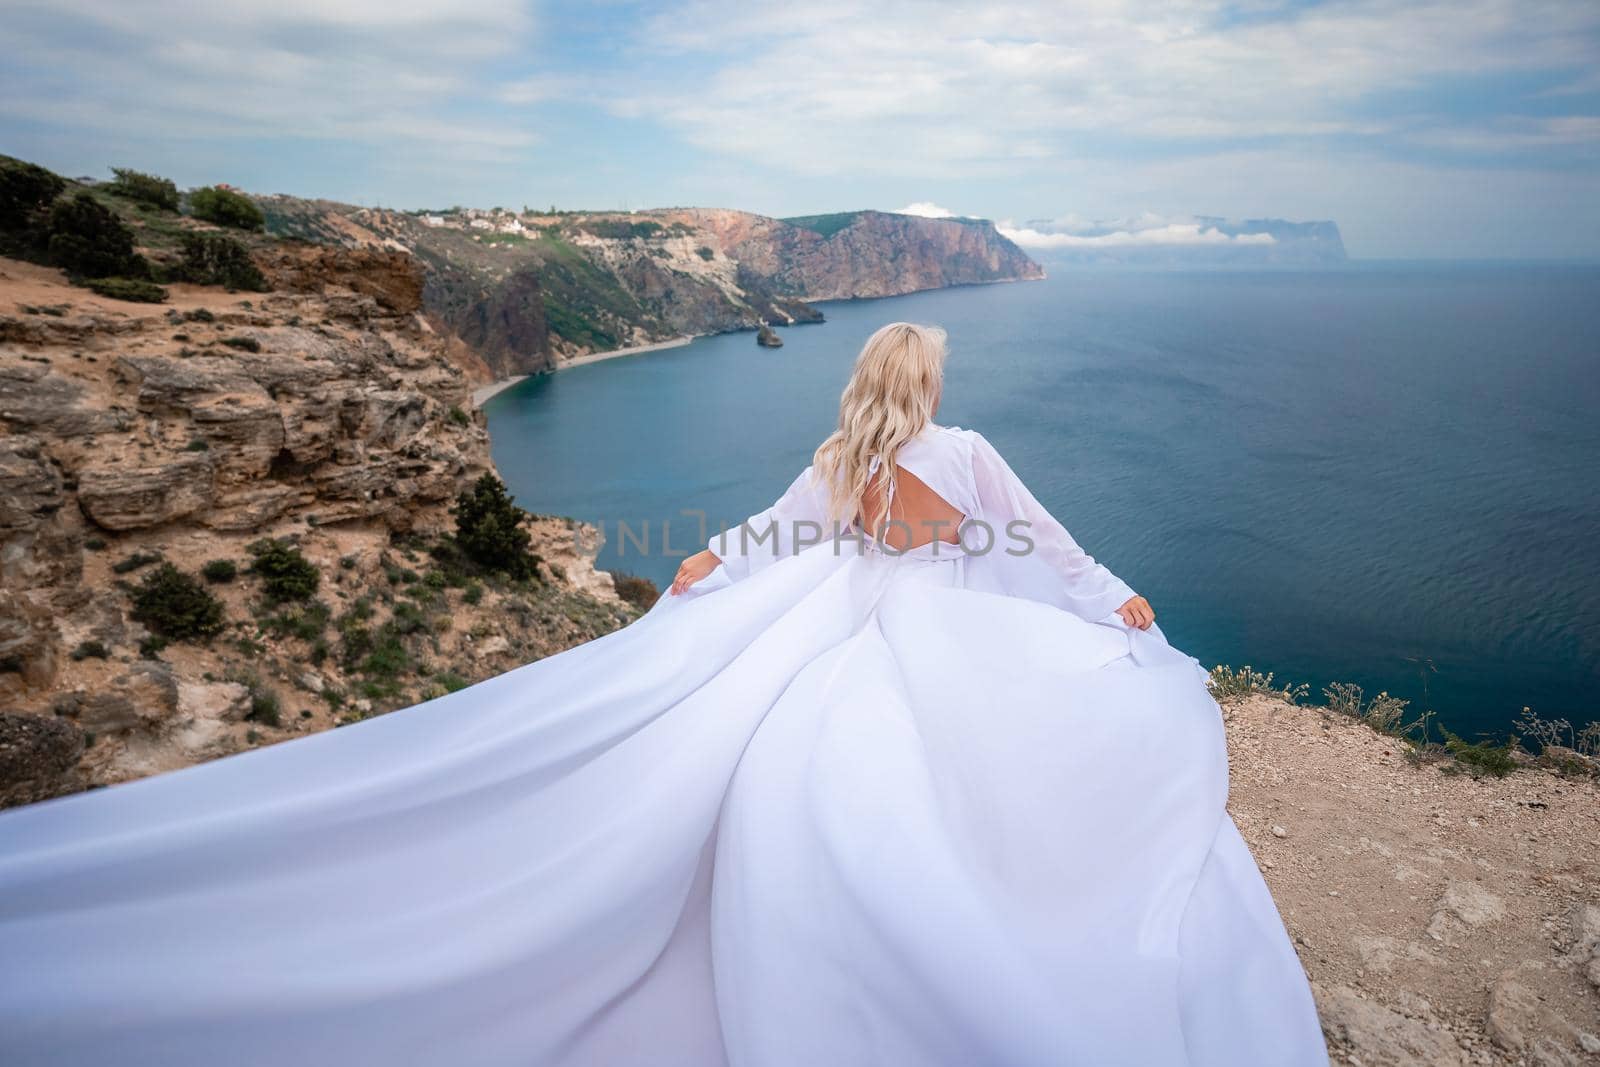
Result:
[
  {"x": 489, "y": 529},
  {"x": 285, "y": 574},
  {"x": 175, "y": 606}
]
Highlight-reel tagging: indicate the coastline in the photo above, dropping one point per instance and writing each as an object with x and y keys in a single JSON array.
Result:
[
  {"x": 483, "y": 393},
  {"x": 616, "y": 353}
]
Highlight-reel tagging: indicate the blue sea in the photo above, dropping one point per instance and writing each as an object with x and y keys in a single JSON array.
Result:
[{"x": 1385, "y": 474}]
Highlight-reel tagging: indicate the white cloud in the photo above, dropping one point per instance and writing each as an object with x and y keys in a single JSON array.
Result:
[
  {"x": 1009, "y": 87},
  {"x": 407, "y": 79},
  {"x": 926, "y": 210},
  {"x": 1169, "y": 235}
]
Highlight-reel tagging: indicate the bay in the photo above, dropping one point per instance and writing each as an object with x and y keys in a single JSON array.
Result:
[{"x": 1384, "y": 474}]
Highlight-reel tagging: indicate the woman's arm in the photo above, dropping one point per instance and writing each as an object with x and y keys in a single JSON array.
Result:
[
  {"x": 795, "y": 521},
  {"x": 1020, "y": 524}
]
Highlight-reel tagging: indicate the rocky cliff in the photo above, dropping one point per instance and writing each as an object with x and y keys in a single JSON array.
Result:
[
  {"x": 865, "y": 253},
  {"x": 526, "y": 290},
  {"x": 323, "y": 417}
]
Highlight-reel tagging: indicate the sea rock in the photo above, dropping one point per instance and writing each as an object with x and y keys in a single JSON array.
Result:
[
  {"x": 767, "y": 337},
  {"x": 1380, "y": 1036},
  {"x": 38, "y": 757}
]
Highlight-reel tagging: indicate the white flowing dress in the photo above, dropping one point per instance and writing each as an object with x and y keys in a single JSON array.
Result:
[{"x": 830, "y": 807}]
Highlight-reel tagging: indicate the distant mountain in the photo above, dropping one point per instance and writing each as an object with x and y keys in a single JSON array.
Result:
[
  {"x": 525, "y": 290},
  {"x": 1204, "y": 240}
]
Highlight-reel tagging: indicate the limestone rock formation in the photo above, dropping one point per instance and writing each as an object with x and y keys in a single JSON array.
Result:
[{"x": 326, "y": 414}]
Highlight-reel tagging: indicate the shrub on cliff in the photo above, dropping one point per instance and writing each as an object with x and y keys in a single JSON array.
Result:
[
  {"x": 175, "y": 606},
  {"x": 87, "y": 240},
  {"x": 220, "y": 570},
  {"x": 145, "y": 188},
  {"x": 226, "y": 208},
  {"x": 285, "y": 574},
  {"x": 136, "y": 290},
  {"x": 217, "y": 259},
  {"x": 26, "y": 193},
  {"x": 489, "y": 529},
  {"x": 639, "y": 591}
]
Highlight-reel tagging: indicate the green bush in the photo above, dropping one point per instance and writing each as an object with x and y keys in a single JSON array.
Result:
[
  {"x": 135, "y": 561},
  {"x": 1482, "y": 757},
  {"x": 145, "y": 188},
  {"x": 175, "y": 606},
  {"x": 226, "y": 208},
  {"x": 285, "y": 574},
  {"x": 217, "y": 259},
  {"x": 26, "y": 193},
  {"x": 306, "y": 621},
  {"x": 90, "y": 650},
  {"x": 133, "y": 290},
  {"x": 243, "y": 344},
  {"x": 489, "y": 529},
  {"x": 265, "y": 707},
  {"x": 220, "y": 571},
  {"x": 88, "y": 240},
  {"x": 459, "y": 417},
  {"x": 451, "y": 681}
]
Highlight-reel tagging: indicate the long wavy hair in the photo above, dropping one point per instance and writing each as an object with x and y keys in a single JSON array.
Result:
[{"x": 891, "y": 397}]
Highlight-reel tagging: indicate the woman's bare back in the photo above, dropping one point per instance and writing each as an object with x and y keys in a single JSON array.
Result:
[{"x": 917, "y": 515}]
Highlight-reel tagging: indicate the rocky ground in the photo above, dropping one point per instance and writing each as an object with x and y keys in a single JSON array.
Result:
[
  {"x": 325, "y": 414},
  {"x": 1443, "y": 919}
]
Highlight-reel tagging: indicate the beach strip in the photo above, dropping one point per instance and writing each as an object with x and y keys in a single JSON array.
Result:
[{"x": 481, "y": 395}]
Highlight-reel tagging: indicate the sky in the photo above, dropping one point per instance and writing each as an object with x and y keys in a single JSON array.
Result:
[{"x": 1432, "y": 129}]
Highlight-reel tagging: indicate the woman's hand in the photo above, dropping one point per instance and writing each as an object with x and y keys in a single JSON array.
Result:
[
  {"x": 1137, "y": 613},
  {"x": 693, "y": 569}
]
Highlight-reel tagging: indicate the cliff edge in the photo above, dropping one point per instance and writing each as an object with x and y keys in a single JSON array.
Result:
[
  {"x": 226, "y": 520},
  {"x": 1444, "y": 919}
]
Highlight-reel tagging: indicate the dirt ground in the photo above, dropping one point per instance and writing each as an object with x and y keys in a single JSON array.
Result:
[{"x": 1442, "y": 919}]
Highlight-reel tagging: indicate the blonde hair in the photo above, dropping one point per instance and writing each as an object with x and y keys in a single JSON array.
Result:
[{"x": 890, "y": 398}]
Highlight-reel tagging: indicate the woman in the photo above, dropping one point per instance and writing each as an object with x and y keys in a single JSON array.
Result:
[{"x": 899, "y": 798}]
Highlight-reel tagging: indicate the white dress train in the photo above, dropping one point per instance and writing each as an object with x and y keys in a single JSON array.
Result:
[{"x": 828, "y": 807}]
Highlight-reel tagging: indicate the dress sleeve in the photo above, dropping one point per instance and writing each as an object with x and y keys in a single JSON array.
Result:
[
  {"x": 1073, "y": 579},
  {"x": 796, "y": 521}
]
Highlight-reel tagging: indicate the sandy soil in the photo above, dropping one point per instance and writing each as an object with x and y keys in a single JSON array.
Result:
[{"x": 1442, "y": 919}]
